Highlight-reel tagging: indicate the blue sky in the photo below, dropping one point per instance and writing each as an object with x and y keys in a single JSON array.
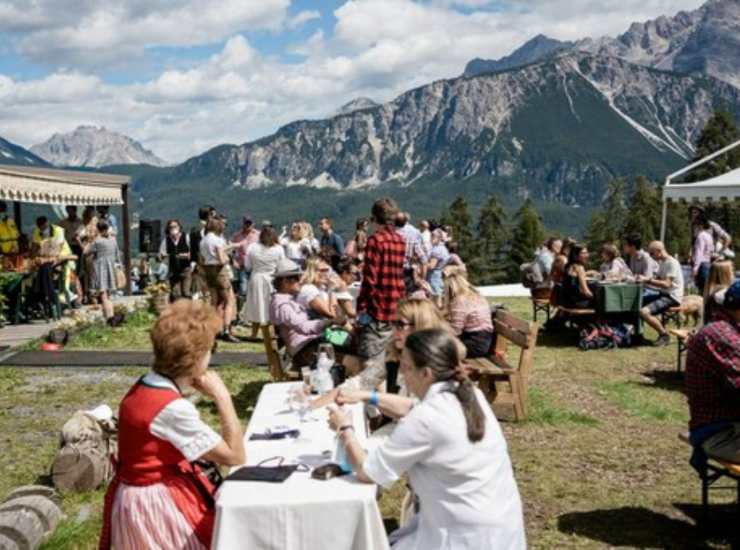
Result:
[{"x": 183, "y": 76}]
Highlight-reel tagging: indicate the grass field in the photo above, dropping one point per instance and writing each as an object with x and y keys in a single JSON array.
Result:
[{"x": 598, "y": 462}]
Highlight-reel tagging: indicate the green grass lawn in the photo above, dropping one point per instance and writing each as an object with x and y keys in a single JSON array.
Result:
[{"x": 598, "y": 462}]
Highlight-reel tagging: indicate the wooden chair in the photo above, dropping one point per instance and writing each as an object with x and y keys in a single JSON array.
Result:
[
  {"x": 710, "y": 473},
  {"x": 682, "y": 338},
  {"x": 540, "y": 302},
  {"x": 273, "y": 351},
  {"x": 503, "y": 384}
]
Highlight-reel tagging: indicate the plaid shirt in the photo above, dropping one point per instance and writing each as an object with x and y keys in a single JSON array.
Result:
[
  {"x": 382, "y": 277},
  {"x": 713, "y": 374}
]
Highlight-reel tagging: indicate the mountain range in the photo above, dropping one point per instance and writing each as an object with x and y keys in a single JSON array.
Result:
[
  {"x": 553, "y": 121},
  {"x": 10, "y": 153},
  {"x": 93, "y": 147}
]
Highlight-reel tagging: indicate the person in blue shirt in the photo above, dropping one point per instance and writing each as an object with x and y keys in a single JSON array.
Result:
[{"x": 329, "y": 239}]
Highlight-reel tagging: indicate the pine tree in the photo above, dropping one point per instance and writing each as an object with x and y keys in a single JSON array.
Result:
[
  {"x": 528, "y": 235},
  {"x": 458, "y": 217},
  {"x": 607, "y": 224},
  {"x": 488, "y": 266},
  {"x": 643, "y": 213}
]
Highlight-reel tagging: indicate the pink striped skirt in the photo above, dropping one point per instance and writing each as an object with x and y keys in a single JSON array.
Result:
[{"x": 147, "y": 517}]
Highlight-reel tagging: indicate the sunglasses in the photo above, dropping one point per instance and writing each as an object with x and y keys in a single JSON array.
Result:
[
  {"x": 324, "y": 270},
  {"x": 401, "y": 325}
]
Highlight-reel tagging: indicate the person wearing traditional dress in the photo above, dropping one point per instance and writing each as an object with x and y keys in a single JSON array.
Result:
[{"x": 159, "y": 499}]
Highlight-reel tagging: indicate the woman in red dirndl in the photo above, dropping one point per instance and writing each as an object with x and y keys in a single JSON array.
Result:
[{"x": 159, "y": 499}]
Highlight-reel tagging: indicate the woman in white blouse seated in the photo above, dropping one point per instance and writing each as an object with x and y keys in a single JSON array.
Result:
[
  {"x": 452, "y": 448},
  {"x": 614, "y": 268}
]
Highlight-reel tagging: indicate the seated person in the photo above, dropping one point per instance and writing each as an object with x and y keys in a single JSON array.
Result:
[
  {"x": 613, "y": 268},
  {"x": 721, "y": 276},
  {"x": 546, "y": 255},
  {"x": 301, "y": 334},
  {"x": 157, "y": 500},
  {"x": 576, "y": 292},
  {"x": 557, "y": 272},
  {"x": 455, "y": 260},
  {"x": 469, "y": 315},
  {"x": 668, "y": 281},
  {"x": 712, "y": 384},
  {"x": 349, "y": 274},
  {"x": 640, "y": 262},
  {"x": 314, "y": 295},
  {"x": 452, "y": 448}
]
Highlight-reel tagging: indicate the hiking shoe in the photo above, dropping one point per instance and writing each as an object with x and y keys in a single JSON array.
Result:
[
  {"x": 663, "y": 340},
  {"x": 228, "y": 337}
]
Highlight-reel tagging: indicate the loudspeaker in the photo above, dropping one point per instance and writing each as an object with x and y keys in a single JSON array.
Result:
[{"x": 150, "y": 236}]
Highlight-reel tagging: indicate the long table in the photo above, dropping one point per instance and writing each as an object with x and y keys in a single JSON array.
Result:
[
  {"x": 620, "y": 302},
  {"x": 301, "y": 513}
]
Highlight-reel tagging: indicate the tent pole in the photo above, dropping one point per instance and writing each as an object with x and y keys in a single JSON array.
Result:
[
  {"x": 663, "y": 220},
  {"x": 126, "y": 239}
]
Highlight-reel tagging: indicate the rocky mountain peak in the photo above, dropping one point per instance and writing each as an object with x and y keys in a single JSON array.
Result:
[
  {"x": 357, "y": 104},
  {"x": 93, "y": 146}
]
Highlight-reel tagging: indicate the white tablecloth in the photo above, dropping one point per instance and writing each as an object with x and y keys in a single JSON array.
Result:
[{"x": 301, "y": 513}]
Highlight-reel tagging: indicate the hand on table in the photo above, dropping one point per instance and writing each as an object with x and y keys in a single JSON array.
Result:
[
  {"x": 210, "y": 384},
  {"x": 327, "y": 399}
]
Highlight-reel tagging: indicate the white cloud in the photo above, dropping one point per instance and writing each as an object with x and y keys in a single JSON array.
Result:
[
  {"x": 303, "y": 17},
  {"x": 378, "y": 49}
]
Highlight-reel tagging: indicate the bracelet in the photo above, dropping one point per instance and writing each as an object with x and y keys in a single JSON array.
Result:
[
  {"x": 374, "y": 398},
  {"x": 345, "y": 428}
]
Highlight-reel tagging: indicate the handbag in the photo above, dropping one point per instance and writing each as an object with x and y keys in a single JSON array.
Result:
[
  {"x": 120, "y": 278},
  {"x": 271, "y": 474}
]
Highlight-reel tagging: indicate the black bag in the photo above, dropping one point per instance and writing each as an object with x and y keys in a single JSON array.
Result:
[{"x": 271, "y": 474}]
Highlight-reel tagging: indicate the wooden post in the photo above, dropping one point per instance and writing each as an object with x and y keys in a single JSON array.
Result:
[
  {"x": 17, "y": 215},
  {"x": 126, "y": 238}
]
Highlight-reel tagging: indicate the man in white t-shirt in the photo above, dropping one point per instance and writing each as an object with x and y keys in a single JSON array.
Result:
[{"x": 668, "y": 281}]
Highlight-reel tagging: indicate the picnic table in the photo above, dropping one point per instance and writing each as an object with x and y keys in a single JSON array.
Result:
[
  {"x": 300, "y": 513},
  {"x": 620, "y": 302}
]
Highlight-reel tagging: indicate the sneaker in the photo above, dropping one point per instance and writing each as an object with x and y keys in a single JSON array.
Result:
[
  {"x": 663, "y": 340},
  {"x": 228, "y": 337}
]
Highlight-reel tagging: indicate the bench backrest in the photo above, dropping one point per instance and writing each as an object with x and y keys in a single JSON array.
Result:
[{"x": 521, "y": 333}]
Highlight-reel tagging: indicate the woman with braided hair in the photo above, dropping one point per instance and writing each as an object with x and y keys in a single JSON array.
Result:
[{"x": 450, "y": 445}]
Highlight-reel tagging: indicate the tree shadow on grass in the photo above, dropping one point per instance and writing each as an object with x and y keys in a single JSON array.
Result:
[
  {"x": 635, "y": 527},
  {"x": 557, "y": 338},
  {"x": 665, "y": 380},
  {"x": 244, "y": 401}
]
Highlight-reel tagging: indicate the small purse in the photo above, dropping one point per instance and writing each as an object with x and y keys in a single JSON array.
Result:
[{"x": 270, "y": 474}]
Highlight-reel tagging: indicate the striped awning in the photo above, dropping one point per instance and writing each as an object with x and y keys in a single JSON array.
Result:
[
  {"x": 720, "y": 188},
  {"x": 47, "y": 186}
]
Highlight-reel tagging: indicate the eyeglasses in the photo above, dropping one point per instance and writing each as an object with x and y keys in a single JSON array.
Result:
[
  {"x": 401, "y": 325},
  {"x": 324, "y": 270}
]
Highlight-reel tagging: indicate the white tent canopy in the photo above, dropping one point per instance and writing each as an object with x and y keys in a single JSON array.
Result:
[{"x": 720, "y": 188}]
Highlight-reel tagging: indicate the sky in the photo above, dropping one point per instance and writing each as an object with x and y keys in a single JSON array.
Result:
[{"x": 182, "y": 76}]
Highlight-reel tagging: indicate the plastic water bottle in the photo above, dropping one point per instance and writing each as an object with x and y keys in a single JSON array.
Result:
[{"x": 324, "y": 382}]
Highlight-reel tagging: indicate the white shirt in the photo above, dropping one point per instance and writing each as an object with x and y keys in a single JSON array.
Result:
[
  {"x": 469, "y": 499},
  {"x": 671, "y": 269},
  {"x": 208, "y": 246},
  {"x": 180, "y": 423}
]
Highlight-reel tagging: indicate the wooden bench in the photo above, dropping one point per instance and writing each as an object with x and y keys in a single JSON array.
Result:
[
  {"x": 682, "y": 338},
  {"x": 713, "y": 471},
  {"x": 505, "y": 385}
]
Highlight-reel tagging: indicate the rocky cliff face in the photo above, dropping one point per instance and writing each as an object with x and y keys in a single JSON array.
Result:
[
  {"x": 704, "y": 41},
  {"x": 10, "y": 153},
  {"x": 94, "y": 147},
  {"x": 560, "y": 129}
]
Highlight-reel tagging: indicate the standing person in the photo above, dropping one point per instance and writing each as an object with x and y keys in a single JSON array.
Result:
[
  {"x": 105, "y": 215},
  {"x": 175, "y": 247},
  {"x": 159, "y": 499},
  {"x": 438, "y": 258},
  {"x": 668, "y": 281},
  {"x": 329, "y": 239},
  {"x": 426, "y": 236},
  {"x": 414, "y": 247},
  {"x": 196, "y": 265},
  {"x": 262, "y": 261},
  {"x": 355, "y": 248},
  {"x": 89, "y": 234},
  {"x": 382, "y": 282},
  {"x": 214, "y": 251},
  {"x": 712, "y": 384},
  {"x": 452, "y": 448},
  {"x": 295, "y": 244},
  {"x": 8, "y": 231},
  {"x": 105, "y": 254},
  {"x": 639, "y": 261},
  {"x": 698, "y": 216},
  {"x": 73, "y": 229},
  {"x": 701, "y": 253},
  {"x": 245, "y": 238}
]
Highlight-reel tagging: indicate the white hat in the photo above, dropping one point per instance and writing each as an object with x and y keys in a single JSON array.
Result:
[{"x": 287, "y": 268}]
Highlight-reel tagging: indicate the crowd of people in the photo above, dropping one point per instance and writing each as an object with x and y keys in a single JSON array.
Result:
[
  {"x": 563, "y": 273},
  {"x": 410, "y": 318},
  {"x": 73, "y": 261}
]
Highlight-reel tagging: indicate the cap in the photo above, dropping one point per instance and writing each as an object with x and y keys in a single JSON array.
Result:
[
  {"x": 287, "y": 268},
  {"x": 729, "y": 298},
  {"x": 247, "y": 219}
]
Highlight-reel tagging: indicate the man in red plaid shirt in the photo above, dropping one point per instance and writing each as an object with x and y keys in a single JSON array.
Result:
[
  {"x": 713, "y": 382},
  {"x": 382, "y": 282}
]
